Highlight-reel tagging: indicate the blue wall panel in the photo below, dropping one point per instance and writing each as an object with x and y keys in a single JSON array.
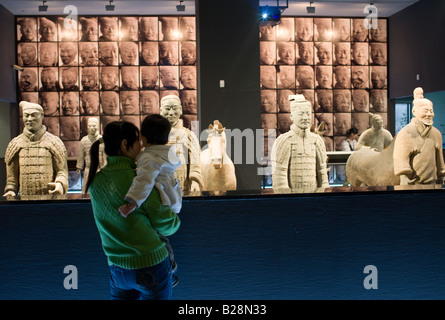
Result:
[{"x": 302, "y": 247}]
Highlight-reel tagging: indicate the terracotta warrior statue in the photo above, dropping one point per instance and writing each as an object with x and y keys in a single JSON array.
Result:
[
  {"x": 299, "y": 155},
  {"x": 376, "y": 137},
  {"x": 36, "y": 160},
  {"x": 186, "y": 144},
  {"x": 418, "y": 157},
  {"x": 414, "y": 156},
  {"x": 83, "y": 157}
]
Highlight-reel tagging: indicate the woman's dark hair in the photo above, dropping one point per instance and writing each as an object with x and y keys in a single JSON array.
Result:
[
  {"x": 351, "y": 131},
  {"x": 156, "y": 128},
  {"x": 114, "y": 133}
]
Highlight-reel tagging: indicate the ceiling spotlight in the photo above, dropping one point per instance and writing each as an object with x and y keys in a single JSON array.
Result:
[
  {"x": 43, "y": 7},
  {"x": 271, "y": 14},
  {"x": 310, "y": 9},
  {"x": 180, "y": 6},
  {"x": 109, "y": 7}
]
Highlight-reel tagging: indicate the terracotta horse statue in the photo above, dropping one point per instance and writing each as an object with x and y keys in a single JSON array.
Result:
[
  {"x": 217, "y": 168},
  {"x": 369, "y": 167}
]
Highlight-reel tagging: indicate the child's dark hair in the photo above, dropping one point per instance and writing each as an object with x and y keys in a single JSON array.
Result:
[
  {"x": 156, "y": 128},
  {"x": 351, "y": 131},
  {"x": 114, "y": 133}
]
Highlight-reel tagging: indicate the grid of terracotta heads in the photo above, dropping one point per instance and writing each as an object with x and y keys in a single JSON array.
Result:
[
  {"x": 338, "y": 64},
  {"x": 108, "y": 67}
]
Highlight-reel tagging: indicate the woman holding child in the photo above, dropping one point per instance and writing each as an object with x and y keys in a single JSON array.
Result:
[{"x": 138, "y": 258}]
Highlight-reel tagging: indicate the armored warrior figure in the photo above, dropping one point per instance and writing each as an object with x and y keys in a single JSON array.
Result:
[
  {"x": 299, "y": 155},
  {"x": 36, "y": 160},
  {"x": 186, "y": 144}
]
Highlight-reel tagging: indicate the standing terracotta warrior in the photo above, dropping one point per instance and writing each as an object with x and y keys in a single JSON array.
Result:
[
  {"x": 418, "y": 157},
  {"x": 299, "y": 156},
  {"x": 83, "y": 157},
  {"x": 36, "y": 160},
  {"x": 186, "y": 144}
]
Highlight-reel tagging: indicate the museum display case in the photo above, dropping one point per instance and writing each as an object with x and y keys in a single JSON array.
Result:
[{"x": 138, "y": 54}]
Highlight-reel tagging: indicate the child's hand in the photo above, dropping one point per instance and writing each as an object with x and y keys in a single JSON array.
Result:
[{"x": 126, "y": 209}]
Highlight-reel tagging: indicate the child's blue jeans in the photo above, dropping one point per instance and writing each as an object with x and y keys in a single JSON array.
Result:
[{"x": 151, "y": 283}]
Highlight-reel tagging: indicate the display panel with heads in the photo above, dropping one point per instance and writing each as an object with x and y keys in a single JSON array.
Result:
[
  {"x": 340, "y": 66},
  {"x": 111, "y": 67}
]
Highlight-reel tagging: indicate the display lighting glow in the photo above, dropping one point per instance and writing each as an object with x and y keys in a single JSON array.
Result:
[{"x": 177, "y": 35}]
